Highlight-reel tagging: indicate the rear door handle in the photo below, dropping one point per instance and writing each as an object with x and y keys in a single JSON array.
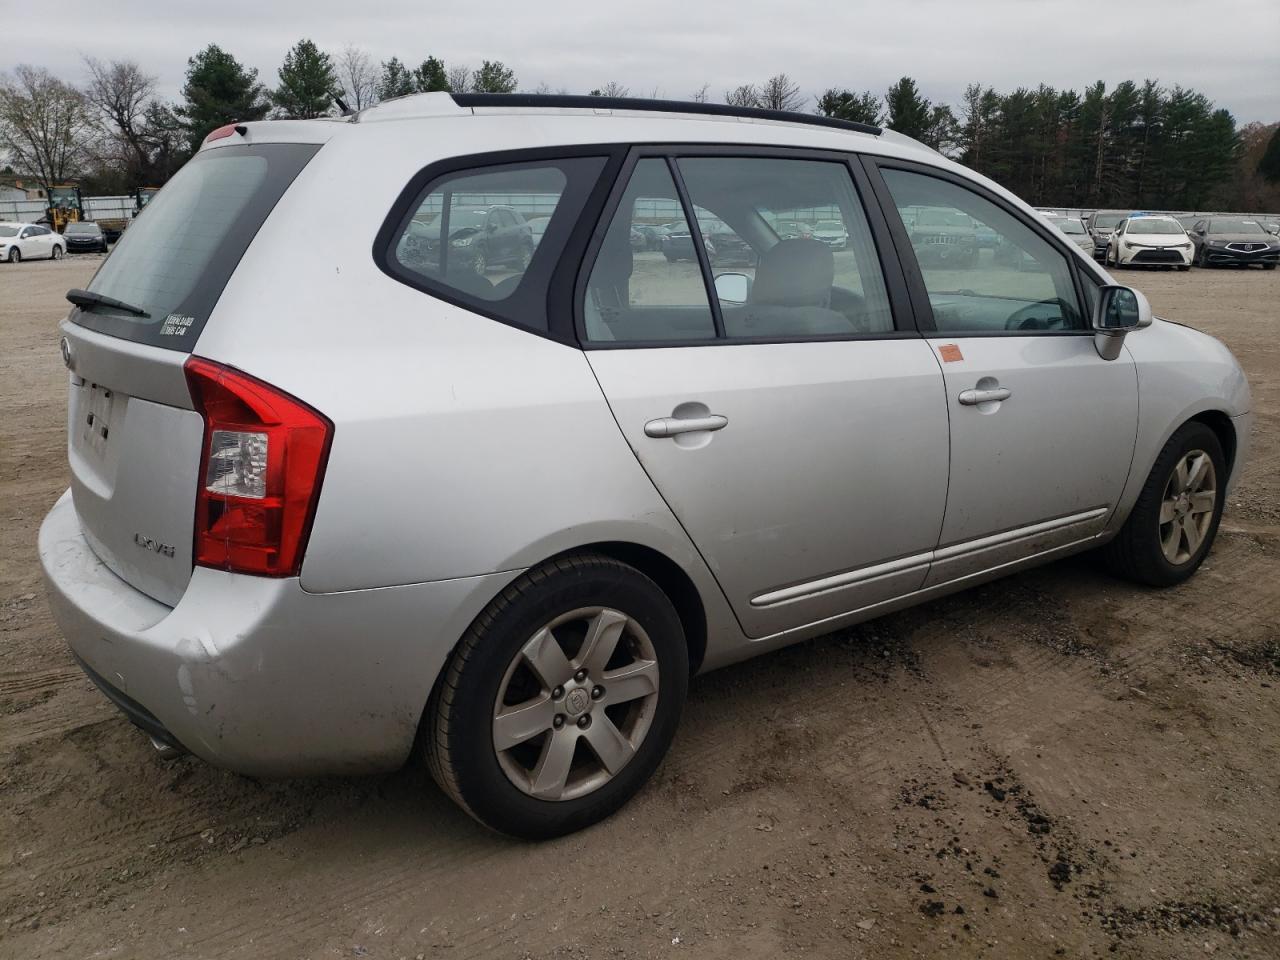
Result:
[
  {"x": 673, "y": 426},
  {"x": 971, "y": 398}
]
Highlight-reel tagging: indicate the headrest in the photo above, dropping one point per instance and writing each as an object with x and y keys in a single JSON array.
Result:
[{"x": 797, "y": 272}]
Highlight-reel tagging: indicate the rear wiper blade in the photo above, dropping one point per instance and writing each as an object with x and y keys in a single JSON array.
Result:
[{"x": 87, "y": 300}]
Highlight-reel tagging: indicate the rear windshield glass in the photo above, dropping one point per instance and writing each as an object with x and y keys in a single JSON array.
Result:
[{"x": 175, "y": 259}]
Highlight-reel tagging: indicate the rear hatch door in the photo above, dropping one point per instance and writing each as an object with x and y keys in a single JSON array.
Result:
[{"x": 134, "y": 441}]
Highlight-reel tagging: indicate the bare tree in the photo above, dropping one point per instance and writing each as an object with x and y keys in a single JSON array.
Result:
[
  {"x": 358, "y": 76},
  {"x": 744, "y": 96},
  {"x": 611, "y": 89},
  {"x": 702, "y": 94},
  {"x": 780, "y": 92},
  {"x": 545, "y": 89},
  {"x": 460, "y": 79},
  {"x": 119, "y": 95},
  {"x": 44, "y": 124}
]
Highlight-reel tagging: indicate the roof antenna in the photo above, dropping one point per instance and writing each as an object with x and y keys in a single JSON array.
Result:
[{"x": 346, "y": 111}]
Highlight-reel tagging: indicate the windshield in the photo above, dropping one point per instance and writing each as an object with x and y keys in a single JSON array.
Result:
[
  {"x": 1155, "y": 225},
  {"x": 835, "y": 225},
  {"x": 8, "y": 231},
  {"x": 75, "y": 228},
  {"x": 177, "y": 256},
  {"x": 1105, "y": 220},
  {"x": 1067, "y": 226},
  {"x": 1235, "y": 226}
]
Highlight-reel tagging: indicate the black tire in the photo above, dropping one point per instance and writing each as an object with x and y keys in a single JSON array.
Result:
[
  {"x": 15, "y": 255},
  {"x": 1184, "y": 267},
  {"x": 1268, "y": 266},
  {"x": 57, "y": 253},
  {"x": 457, "y": 728},
  {"x": 1202, "y": 259},
  {"x": 480, "y": 262},
  {"x": 1136, "y": 552}
]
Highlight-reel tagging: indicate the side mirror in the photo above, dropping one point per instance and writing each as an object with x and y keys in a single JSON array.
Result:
[
  {"x": 1120, "y": 310},
  {"x": 733, "y": 288}
]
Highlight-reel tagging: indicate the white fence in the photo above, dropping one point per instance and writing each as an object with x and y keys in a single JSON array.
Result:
[{"x": 95, "y": 208}]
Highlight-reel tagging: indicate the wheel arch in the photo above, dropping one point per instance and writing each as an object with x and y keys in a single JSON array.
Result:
[{"x": 1224, "y": 430}]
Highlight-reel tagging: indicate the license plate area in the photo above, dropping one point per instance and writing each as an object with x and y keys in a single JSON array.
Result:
[{"x": 98, "y": 414}]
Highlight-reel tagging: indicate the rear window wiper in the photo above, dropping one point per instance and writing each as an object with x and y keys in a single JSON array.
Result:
[{"x": 87, "y": 300}]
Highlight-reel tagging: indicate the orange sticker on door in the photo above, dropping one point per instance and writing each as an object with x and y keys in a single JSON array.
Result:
[{"x": 950, "y": 353}]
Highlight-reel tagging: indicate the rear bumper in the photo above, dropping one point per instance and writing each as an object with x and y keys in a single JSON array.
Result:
[{"x": 255, "y": 674}]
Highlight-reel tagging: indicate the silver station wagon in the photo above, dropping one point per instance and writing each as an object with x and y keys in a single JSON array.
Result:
[{"x": 433, "y": 487}]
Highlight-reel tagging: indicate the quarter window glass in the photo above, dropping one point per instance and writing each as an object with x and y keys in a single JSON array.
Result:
[
  {"x": 646, "y": 284},
  {"x": 985, "y": 270},
  {"x": 797, "y": 231}
]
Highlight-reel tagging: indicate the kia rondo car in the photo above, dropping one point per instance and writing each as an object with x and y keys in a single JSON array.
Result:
[{"x": 331, "y": 508}]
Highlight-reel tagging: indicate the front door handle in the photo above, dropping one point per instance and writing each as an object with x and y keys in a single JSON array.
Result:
[
  {"x": 673, "y": 426},
  {"x": 971, "y": 398}
]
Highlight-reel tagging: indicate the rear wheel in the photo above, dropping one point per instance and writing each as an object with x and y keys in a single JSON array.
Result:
[
  {"x": 57, "y": 252},
  {"x": 479, "y": 263},
  {"x": 561, "y": 699},
  {"x": 1172, "y": 526}
]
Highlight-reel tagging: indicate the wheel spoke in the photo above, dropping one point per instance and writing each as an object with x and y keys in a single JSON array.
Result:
[
  {"x": 610, "y": 746},
  {"x": 552, "y": 772},
  {"x": 1171, "y": 541},
  {"x": 1167, "y": 509},
  {"x": 547, "y": 660},
  {"x": 631, "y": 682},
  {"x": 1197, "y": 470},
  {"x": 602, "y": 639},
  {"x": 522, "y": 722},
  {"x": 1192, "y": 534},
  {"x": 1180, "y": 475},
  {"x": 1202, "y": 502}
]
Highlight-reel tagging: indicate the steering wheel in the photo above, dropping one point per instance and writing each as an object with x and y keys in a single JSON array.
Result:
[{"x": 1041, "y": 315}]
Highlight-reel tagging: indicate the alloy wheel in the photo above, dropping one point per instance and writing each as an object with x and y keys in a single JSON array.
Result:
[
  {"x": 1186, "y": 509},
  {"x": 576, "y": 703}
]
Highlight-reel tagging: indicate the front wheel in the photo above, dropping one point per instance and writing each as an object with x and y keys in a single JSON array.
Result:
[
  {"x": 561, "y": 699},
  {"x": 479, "y": 262},
  {"x": 15, "y": 255},
  {"x": 1173, "y": 524},
  {"x": 57, "y": 253},
  {"x": 1268, "y": 266}
]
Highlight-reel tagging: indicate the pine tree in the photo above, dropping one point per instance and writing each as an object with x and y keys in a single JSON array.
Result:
[
  {"x": 430, "y": 76},
  {"x": 219, "y": 91},
  {"x": 493, "y": 77},
  {"x": 307, "y": 83},
  {"x": 846, "y": 105},
  {"x": 396, "y": 81},
  {"x": 908, "y": 112}
]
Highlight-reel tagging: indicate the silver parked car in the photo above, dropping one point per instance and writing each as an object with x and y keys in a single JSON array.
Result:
[{"x": 331, "y": 506}]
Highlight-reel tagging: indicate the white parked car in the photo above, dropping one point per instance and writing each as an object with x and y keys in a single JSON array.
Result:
[
  {"x": 832, "y": 233},
  {"x": 1074, "y": 230},
  {"x": 29, "y": 241},
  {"x": 336, "y": 505},
  {"x": 1149, "y": 241}
]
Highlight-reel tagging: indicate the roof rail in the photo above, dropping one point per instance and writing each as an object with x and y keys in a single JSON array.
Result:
[{"x": 578, "y": 102}]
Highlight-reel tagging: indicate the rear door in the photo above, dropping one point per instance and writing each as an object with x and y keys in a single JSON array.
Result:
[
  {"x": 134, "y": 443},
  {"x": 1042, "y": 428},
  {"x": 799, "y": 435}
]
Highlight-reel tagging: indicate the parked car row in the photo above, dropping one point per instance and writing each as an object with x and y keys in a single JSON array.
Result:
[
  {"x": 34, "y": 241},
  {"x": 1154, "y": 239}
]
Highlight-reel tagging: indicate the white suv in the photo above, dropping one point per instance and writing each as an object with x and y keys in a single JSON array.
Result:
[{"x": 332, "y": 503}]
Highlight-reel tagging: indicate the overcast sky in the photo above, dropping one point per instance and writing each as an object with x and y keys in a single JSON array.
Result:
[{"x": 1227, "y": 49}]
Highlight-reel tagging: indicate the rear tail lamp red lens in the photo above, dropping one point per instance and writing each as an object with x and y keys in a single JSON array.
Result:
[{"x": 260, "y": 470}]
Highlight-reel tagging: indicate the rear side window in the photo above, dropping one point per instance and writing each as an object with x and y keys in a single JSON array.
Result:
[
  {"x": 175, "y": 259},
  {"x": 467, "y": 236}
]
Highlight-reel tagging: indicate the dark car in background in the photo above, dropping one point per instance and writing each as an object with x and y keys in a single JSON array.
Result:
[
  {"x": 1234, "y": 241},
  {"x": 1101, "y": 225},
  {"x": 479, "y": 237},
  {"x": 84, "y": 237},
  {"x": 944, "y": 238},
  {"x": 722, "y": 244}
]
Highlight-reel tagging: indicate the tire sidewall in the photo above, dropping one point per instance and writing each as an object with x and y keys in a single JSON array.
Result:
[
  {"x": 1146, "y": 513},
  {"x": 479, "y": 778}
]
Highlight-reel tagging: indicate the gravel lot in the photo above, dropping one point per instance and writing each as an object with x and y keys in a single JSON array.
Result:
[{"x": 1054, "y": 765}]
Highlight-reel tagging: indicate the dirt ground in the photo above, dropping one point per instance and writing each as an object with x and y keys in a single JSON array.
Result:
[{"x": 1058, "y": 764}]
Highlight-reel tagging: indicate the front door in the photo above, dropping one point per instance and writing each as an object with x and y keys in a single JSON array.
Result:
[
  {"x": 797, "y": 435},
  {"x": 1042, "y": 428}
]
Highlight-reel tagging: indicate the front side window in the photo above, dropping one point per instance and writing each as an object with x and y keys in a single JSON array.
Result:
[
  {"x": 1020, "y": 282},
  {"x": 467, "y": 234}
]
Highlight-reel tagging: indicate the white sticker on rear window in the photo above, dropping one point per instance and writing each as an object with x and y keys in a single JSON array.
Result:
[{"x": 176, "y": 325}]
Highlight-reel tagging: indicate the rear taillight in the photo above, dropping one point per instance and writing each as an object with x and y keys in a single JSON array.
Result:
[{"x": 260, "y": 470}]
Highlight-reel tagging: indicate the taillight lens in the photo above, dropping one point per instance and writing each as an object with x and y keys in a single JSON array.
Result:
[{"x": 260, "y": 471}]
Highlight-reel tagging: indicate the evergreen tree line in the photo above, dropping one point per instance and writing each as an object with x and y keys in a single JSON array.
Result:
[{"x": 1137, "y": 145}]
